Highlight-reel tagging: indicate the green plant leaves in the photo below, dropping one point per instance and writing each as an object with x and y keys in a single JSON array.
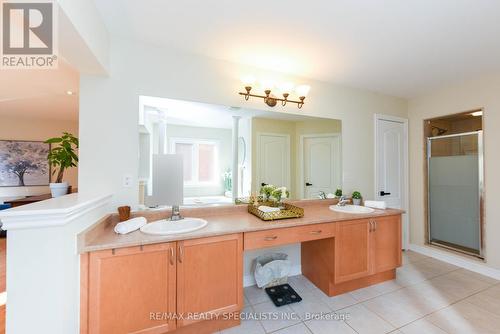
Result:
[{"x": 63, "y": 156}]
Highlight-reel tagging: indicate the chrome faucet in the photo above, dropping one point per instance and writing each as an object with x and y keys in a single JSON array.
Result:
[
  {"x": 176, "y": 213},
  {"x": 342, "y": 201},
  {"x": 321, "y": 195}
]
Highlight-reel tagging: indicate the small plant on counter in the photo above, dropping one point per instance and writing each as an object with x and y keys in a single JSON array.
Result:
[
  {"x": 338, "y": 192},
  {"x": 266, "y": 191},
  {"x": 356, "y": 197},
  {"x": 61, "y": 158},
  {"x": 279, "y": 194}
]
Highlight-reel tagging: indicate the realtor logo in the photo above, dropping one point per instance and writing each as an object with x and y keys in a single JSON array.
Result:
[{"x": 28, "y": 31}]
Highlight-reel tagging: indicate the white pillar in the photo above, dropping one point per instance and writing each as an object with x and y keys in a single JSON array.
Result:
[
  {"x": 162, "y": 133},
  {"x": 236, "y": 120},
  {"x": 43, "y": 264}
]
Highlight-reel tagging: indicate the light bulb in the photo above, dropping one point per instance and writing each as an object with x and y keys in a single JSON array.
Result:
[
  {"x": 267, "y": 84},
  {"x": 286, "y": 87},
  {"x": 248, "y": 80},
  {"x": 302, "y": 90}
]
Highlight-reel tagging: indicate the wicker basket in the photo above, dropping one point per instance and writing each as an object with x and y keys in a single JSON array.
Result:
[{"x": 289, "y": 211}]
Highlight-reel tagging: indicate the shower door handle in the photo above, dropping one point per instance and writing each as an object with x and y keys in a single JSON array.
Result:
[{"x": 383, "y": 193}]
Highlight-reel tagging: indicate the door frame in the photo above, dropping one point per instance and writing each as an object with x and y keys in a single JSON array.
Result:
[
  {"x": 301, "y": 165},
  {"x": 257, "y": 158},
  {"x": 405, "y": 191}
]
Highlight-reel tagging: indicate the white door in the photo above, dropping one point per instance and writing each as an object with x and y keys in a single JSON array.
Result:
[
  {"x": 273, "y": 160},
  {"x": 322, "y": 165},
  {"x": 391, "y": 168}
]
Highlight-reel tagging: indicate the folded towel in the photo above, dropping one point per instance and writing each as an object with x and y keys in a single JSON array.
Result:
[
  {"x": 265, "y": 208},
  {"x": 376, "y": 204},
  {"x": 130, "y": 225}
]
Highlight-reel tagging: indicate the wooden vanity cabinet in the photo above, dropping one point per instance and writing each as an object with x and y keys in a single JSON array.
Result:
[
  {"x": 209, "y": 276},
  {"x": 158, "y": 288},
  {"x": 127, "y": 284},
  {"x": 367, "y": 251},
  {"x": 353, "y": 250},
  {"x": 386, "y": 243}
]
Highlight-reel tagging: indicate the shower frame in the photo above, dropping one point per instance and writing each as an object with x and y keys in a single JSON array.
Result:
[{"x": 480, "y": 148}]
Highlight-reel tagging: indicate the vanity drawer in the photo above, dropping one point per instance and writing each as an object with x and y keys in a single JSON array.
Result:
[{"x": 287, "y": 235}]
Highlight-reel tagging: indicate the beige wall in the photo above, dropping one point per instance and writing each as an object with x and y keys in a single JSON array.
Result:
[
  {"x": 474, "y": 94},
  {"x": 17, "y": 128},
  {"x": 294, "y": 129}
]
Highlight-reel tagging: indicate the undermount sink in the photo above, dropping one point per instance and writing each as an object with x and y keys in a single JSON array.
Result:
[
  {"x": 167, "y": 227},
  {"x": 351, "y": 209}
]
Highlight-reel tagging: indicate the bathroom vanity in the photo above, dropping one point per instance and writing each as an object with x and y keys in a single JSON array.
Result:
[{"x": 193, "y": 282}]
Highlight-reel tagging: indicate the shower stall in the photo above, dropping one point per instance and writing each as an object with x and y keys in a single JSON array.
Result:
[{"x": 455, "y": 188}]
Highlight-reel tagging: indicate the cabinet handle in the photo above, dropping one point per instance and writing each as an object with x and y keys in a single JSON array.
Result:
[
  {"x": 271, "y": 238},
  {"x": 172, "y": 256},
  {"x": 180, "y": 254},
  {"x": 316, "y": 232},
  {"x": 375, "y": 225},
  {"x": 371, "y": 225}
]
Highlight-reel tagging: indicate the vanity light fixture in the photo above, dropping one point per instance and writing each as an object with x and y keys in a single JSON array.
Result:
[{"x": 270, "y": 99}]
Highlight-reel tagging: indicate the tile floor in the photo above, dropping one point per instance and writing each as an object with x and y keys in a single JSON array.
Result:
[{"x": 428, "y": 296}]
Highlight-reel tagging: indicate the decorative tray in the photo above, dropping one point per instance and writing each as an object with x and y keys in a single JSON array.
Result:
[{"x": 289, "y": 211}]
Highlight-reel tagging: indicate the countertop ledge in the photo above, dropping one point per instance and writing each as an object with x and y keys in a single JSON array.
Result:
[
  {"x": 221, "y": 220},
  {"x": 52, "y": 212}
]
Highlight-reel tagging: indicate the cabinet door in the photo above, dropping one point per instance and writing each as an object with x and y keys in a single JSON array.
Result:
[
  {"x": 352, "y": 250},
  {"x": 132, "y": 290},
  {"x": 209, "y": 277},
  {"x": 386, "y": 243}
]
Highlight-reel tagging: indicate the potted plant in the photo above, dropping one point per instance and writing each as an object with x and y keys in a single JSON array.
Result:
[
  {"x": 279, "y": 194},
  {"x": 60, "y": 158},
  {"x": 338, "y": 193},
  {"x": 356, "y": 198},
  {"x": 266, "y": 191}
]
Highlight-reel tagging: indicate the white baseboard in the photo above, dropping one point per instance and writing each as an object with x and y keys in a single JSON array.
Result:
[
  {"x": 457, "y": 260},
  {"x": 249, "y": 280}
]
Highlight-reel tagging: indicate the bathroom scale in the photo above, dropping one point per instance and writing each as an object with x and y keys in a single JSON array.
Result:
[{"x": 283, "y": 294}]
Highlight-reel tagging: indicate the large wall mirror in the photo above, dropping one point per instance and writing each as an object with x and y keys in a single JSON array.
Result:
[{"x": 301, "y": 153}]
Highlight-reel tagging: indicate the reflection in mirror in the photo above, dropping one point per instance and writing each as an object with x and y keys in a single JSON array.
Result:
[{"x": 301, "y": 153}]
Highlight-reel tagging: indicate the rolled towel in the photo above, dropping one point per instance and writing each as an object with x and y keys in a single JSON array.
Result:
[
  {"x": 265, "y": 208},
  {"x": 376, "y": 204},
  {"x": 130, "y": 225}
]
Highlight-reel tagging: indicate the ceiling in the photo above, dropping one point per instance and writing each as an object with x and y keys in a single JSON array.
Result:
[
  {"x": 400, "y": 48},
  {"x": 40, "y": 94}
]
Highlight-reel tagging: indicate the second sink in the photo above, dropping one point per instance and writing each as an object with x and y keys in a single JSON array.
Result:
[
  {"x": 352, "y": 209},
  {"x": 167, "y": 227}
]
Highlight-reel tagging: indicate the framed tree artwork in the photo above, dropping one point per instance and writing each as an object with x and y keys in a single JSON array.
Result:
[{"x": 24, "y": 163}]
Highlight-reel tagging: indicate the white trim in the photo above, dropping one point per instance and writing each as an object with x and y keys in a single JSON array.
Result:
[
  {"x": 458, "y": 260},
  {"x": 406, "y": 182},
  {"x": 249, "y": 280},
  {"x": 301, "y": 190},
  {"x": 257, "y": 158},
  {"x": 52, "y": 212}
]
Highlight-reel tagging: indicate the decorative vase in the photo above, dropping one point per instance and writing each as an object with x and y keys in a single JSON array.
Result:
[
  {"x": 356, "y": 201},
  {"x": 58, "y": 189}
]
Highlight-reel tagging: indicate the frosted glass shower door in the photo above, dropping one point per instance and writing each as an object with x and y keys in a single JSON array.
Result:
[{"x": 455, "y": 180}]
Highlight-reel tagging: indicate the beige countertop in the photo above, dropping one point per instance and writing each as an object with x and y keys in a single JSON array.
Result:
[{"x": 221, "y": 220}]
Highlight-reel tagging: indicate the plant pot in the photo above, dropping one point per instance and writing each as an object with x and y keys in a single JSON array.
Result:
[
  {"x": 356, "y": 201},
  {"x": 59, "y": 189}
]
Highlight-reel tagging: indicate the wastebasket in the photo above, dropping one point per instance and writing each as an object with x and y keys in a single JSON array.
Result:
[{"x": 271, "y": 269}]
